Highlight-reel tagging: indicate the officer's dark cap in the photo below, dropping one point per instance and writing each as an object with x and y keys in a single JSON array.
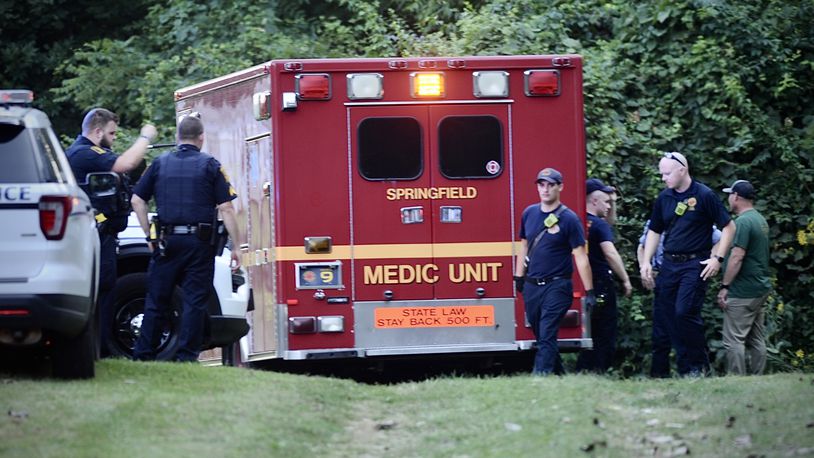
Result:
[{"x": 550, "y": 175}]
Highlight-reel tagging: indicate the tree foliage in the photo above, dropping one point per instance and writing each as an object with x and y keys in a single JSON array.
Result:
[{"x": 727, "y": 83}]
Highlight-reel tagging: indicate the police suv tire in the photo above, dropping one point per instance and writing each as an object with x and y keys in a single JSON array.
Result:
[
  {"x": 129, "y": 295},
  {"x": 75, "y": 357}
]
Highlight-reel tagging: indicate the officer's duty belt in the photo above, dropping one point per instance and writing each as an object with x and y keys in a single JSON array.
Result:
[
  {"x": 684, "y": 257},
  {"x": 543, "y": 281},
  {"x": 183, "y": 229}
]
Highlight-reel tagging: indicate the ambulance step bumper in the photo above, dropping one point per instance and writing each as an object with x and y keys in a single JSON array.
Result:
[{"x": 441, "y": 349}]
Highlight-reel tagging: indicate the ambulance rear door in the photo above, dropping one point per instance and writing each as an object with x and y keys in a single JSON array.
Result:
[
  {"x": 472, "y": 214},
  {"x": 390, "y": 227}
]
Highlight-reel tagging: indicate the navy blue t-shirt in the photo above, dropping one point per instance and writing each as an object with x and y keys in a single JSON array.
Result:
[
  {"x": 692, "y": 231},
  {"x": 598, "y": 231},
  {"x": 551, "y": 256}
]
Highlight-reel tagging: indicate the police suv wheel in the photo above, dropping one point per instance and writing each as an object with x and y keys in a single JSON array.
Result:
[{"x": 128, "y": 311}]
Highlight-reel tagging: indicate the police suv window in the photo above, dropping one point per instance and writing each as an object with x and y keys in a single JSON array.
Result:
[
  {"x": 390, "y": 148},
  {"x": 470, "y": 147},
  {"x": 48, "y": 163},
  {"x": 18, "y": 161}
]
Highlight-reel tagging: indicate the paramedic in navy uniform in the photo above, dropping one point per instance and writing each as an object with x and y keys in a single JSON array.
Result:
[
  {"x": 555, "y": 234},
  {"x": 189, "y": 187},
  {"x": 685, "y": 212},
  {"x": 91, "y": 153},
  {"x": 605, "y": 261}
]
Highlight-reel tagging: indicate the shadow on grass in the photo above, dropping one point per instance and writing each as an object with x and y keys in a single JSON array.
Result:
[{"x": 394, "y": 370}]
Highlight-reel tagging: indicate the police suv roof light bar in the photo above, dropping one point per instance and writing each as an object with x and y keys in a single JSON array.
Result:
[{"x": 16, "y": 97}]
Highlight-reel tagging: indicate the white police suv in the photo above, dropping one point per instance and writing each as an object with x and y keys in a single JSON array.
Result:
[{"x": 49, "y": 248}]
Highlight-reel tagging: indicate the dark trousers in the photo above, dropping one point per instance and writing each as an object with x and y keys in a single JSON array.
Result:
[
  {"x": 660, "y": 341},
  {"x": 189, "y": 262},
  {"x": 603, "y": 329},
  {"x": 546, "y": 305},
  {"x": 677, "y": 310},
  {"x": 107, "y": 281}
]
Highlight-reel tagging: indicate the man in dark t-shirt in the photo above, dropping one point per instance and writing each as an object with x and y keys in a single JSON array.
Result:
[
  {"x": 685, "y": 212},
  {"x": 605, "y": 261},
  {"x": 550, "y": 234}
]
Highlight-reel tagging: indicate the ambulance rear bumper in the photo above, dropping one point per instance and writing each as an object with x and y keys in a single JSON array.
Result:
[{"x": 522, "y": 345}]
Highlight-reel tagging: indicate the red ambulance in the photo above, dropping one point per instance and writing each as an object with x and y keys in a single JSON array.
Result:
[{"x": 380, "y": 199}]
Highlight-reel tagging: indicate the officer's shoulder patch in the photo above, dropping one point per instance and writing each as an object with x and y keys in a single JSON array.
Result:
[{"x": 98, "y": 150}]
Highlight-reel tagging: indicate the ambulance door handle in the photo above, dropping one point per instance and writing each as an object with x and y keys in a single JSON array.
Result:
[{"x": 480, "y": 292}]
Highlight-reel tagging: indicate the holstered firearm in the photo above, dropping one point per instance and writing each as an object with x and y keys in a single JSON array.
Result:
[
  {"x": 157, "y": 234},
  {"x": 220, "y": 236}
]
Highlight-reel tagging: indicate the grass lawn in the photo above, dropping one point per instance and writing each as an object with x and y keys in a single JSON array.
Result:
[{"x": 172, "y": 410}]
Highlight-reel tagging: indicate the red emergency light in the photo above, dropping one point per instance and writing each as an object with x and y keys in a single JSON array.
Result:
[
  {"x": 313, "y": 86},
  {"x": 542, "y": 83}
]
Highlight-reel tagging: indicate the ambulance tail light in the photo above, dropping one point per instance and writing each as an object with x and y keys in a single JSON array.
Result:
[
  {"x": 427, "y": 84},
  {"x": 331, "y": 324},
  {"x": 365, "y": 86},
  {"x": 542, "y": 83},
  {"x": 490, "y": 84},
  {"x": 302, "y": 325},
  {"x": 313, "y": 86},
  {"x": 54, "y": 213}
]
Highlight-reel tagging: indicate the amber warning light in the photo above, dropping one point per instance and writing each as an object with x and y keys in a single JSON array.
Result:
[{"x": 426, "y": 84}]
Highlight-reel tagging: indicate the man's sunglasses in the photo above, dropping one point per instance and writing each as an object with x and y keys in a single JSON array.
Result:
[{"x": 674, "y": 157}]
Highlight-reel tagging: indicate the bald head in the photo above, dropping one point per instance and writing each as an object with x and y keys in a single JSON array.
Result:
[{"x": 675, "y": 171}]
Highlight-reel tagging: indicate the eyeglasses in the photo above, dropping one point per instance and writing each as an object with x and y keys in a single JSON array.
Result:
[{"x": 674, "y": 156}]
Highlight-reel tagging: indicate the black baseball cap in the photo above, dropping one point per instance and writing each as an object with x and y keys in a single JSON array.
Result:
[
  {"x": 595, "y": 184},
  {"x": 742, "y": 188}
]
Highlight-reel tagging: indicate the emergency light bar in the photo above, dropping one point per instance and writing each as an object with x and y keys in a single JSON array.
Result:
[
  {"x": 542, "y": 83},
  {"x": 490, "y": 84},
  {"x": 427, "y": 84},
  {"x": 16, "y": 97},
  {"x": 365, "y": 86},
  {"x": 313, "y": 86}
]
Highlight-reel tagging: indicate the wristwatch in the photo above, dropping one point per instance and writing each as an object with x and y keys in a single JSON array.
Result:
[
  {"x": 719, "y": 258},
  {"x": 724, "y": 286}
]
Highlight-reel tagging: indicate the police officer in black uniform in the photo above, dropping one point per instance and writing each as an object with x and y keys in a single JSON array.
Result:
[
  {"x": 189, "y": 187},
  {"x": 91, "y": 153},
  {"x": 685, "y": 213}
]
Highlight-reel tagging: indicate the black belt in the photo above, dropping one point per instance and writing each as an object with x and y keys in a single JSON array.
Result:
[
  {"x": 543, "y": 281},
  {"x": 181, "y": 229},
  {"x": 684, "y": 257}
]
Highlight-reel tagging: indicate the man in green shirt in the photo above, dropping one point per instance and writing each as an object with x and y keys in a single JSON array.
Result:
[{"x": 746, "y": 284}]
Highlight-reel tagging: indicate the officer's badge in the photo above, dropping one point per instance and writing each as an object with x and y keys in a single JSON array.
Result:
[
  {"x": 692, "y": 202},
  {"x": 98, "y": 150},
  {"x": 681, "y": 208}
]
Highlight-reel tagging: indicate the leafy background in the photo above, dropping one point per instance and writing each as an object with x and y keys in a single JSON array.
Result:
[{"x": 730, "y": 84}]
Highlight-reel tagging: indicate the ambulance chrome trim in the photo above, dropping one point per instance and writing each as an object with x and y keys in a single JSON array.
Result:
[
  {"x": 430, "y": 102},
  {"x": 584, "y": 344},
  {"x": 399, "y": 251},
  {"x": 436, "y": 349}
]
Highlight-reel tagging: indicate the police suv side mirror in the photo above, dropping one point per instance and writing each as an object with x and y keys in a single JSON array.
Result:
[{"x": 102, "y": 184}]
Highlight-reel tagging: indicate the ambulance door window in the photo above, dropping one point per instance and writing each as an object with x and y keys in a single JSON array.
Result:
[
  {"x": 390, "y": 149},
  {"x": 470, "y": 147}
]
